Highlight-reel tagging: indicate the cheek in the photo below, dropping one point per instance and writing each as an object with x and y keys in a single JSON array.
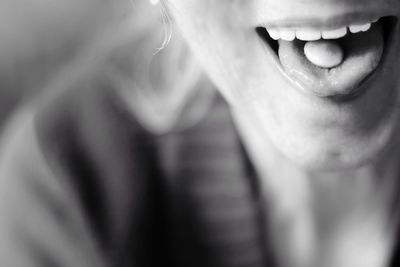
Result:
[{"x": 223, "y": 39}]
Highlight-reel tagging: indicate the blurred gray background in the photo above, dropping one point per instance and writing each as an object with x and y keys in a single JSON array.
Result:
[{"x": 38, "y": 37}]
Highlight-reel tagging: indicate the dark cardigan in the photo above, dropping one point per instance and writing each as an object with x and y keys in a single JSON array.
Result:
[{"x": 120, "y": 196}]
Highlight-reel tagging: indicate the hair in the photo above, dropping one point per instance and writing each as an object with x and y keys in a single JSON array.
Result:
[{"x": 166, "y": 19}]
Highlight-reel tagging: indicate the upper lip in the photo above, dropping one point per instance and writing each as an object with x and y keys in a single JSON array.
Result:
[{"x": 324, "y": 20}]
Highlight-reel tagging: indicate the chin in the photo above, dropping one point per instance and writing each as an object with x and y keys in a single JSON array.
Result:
[
  {"x": 325, "y": 158},
  {"x": 333, "y": 150}
]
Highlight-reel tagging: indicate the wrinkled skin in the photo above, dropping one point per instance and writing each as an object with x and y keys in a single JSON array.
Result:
[{"x": 310, "y": 131}]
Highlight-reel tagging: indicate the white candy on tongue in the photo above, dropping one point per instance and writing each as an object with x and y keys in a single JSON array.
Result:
[
  {"x": 326, "y": 54},
  {"x": 333, "y": 67}
]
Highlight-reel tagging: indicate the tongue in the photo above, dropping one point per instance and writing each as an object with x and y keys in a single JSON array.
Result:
[{"x": 333, "y": 67}]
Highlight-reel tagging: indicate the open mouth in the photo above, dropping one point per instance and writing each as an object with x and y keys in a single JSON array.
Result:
[{"x": 331, "y": 63}]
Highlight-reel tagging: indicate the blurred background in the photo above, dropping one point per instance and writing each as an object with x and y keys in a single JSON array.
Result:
[{"x": 40, "y": 37}]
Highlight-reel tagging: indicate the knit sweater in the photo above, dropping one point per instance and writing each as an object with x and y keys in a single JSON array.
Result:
[{"x": 83, "y": 184}]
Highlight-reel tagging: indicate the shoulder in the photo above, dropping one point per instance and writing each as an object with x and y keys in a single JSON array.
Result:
[
  {"x": 84, "y": 142},
  {"x": 84, "y": 146},
  {"x": 86, "y": 131}
]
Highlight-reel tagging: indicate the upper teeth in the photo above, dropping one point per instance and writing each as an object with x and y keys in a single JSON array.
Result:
[{"x": 309, "y": 34}]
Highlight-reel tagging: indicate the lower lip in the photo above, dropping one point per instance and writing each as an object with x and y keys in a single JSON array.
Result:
[{"x": 352, "y": 95}]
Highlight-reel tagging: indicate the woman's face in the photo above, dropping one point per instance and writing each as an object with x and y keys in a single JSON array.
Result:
[{"x": 318, "y": 117}]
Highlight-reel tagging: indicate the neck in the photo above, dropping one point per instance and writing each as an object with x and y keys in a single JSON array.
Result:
[{"x": 320, "y": 208}]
